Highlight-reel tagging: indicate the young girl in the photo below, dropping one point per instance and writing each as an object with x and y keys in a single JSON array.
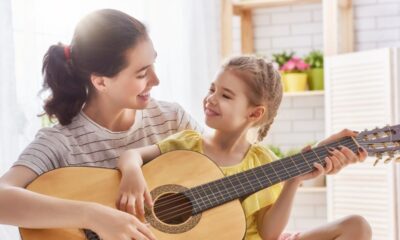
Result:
[
  {"x": 100, "y": 94},
  {"x": 246, "y": 93}
]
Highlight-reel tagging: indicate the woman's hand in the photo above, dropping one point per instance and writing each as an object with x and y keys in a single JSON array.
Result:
[
  {"x": 337, "y": 158},
  {"x": 111, "y": 224},
  {"x": 133, "y": 192}
]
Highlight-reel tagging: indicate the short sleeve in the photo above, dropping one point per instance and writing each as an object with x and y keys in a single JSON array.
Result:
[
  {"x": 184, "y": 140},
  {"x": 43, "y": 153}
]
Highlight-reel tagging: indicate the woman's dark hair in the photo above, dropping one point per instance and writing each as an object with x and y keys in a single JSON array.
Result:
[{"x": 99, "y": 44}]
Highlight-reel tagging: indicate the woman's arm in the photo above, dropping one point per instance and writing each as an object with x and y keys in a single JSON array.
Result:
[{"x": 23, "y": 208}]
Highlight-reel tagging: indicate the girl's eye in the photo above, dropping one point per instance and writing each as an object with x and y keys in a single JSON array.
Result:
[
  {"x": 211, "y": 90},
  {"x": 226, "y": 96}
]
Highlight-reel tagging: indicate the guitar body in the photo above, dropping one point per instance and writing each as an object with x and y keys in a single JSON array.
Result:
[{"x": 170, "y": 173}]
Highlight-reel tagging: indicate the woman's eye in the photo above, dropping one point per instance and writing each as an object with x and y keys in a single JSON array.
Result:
[
  {"x": 142, "y": 76},
  {"x": 226, "y": 96},
  {"x": 211, "y": 90}
]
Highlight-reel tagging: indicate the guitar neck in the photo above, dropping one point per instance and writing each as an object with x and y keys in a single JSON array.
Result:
[{"x": 243, "y": 184}]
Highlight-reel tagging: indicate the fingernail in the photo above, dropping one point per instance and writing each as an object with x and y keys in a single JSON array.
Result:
[
  {"x": 331, "y": 148},
  {"x": 356, "y": 132},
  {"x": 330, "y": 154},
  {"x": 339, "y": 147},
  {"x": 361, "y": 149}
]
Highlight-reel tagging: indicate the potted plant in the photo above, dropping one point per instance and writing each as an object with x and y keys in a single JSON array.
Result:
[
  {"x": 316, "y": 73},
  {"x": 280, "y": 59},
  {"x": 295, "y": 71}
]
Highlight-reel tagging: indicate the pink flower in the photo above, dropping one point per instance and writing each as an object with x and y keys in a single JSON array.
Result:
[{"x": 295, "y": 64}]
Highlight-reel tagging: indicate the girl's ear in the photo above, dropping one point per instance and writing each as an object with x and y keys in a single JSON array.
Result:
[
  {"x": 257, "y": 113},
  {"x": 98, "y": 82}
]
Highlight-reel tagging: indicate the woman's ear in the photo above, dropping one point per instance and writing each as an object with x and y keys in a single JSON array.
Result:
[
  {"x": 98, "y": 82},
  {"x": 257, "y": 113}
]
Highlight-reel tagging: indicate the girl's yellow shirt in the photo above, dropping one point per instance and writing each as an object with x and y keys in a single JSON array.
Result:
[{"x": 256, "y": 156}]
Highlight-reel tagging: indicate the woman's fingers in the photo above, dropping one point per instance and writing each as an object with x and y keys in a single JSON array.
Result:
[
  {"x": 123, "y": 202},
  {"x": 130, "y": 208}
]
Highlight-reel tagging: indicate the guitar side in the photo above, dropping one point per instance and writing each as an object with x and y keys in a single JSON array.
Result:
[{"x": 183, "y": 168}]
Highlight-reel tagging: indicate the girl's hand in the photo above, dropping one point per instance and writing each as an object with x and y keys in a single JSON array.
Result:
[
  {"x": 133, "y": 192},
  {"x": 111, "y": 224},
  {"x": 338, "y": 158}
]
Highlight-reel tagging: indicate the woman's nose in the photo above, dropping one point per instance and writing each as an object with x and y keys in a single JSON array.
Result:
[{"x": 152, "y": 78}]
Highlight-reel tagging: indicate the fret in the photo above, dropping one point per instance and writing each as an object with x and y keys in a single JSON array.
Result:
[
  {"x": 272, "y": 167},
  {"x": 233, "y": 186},
  {"x": 319, "y": 160},
  {"x": 249, "y": 182},
  {"x": 294, "y": 163},
  {"x": 257, "y": 178},
  {"x": 265, "y": 174},
  {"x": 305, "y": 159},
  {"x": 283, "y": 166}
]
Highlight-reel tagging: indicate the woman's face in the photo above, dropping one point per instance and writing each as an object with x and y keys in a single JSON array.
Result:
[{"x": 130, "y": 88}]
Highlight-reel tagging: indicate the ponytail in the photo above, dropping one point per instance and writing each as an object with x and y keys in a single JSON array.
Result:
[{"x": 68, "y": 91}]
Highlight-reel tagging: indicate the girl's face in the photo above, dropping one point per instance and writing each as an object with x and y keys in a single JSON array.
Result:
[
  {"x": 226, "y": 105},
  {"x": 130, "y": 88}
]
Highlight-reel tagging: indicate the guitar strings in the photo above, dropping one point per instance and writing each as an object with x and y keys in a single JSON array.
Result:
[
  {"x": 246, "y": 184},
  {"x": 319, "y": 150},
  {"x": 227, "y": 189}
]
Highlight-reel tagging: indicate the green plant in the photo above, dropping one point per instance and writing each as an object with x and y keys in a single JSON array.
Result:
[
  {"x": 277, "y": 151},
  {"x": 315, "y": 59},
  {"x": 282, "y": 58}
]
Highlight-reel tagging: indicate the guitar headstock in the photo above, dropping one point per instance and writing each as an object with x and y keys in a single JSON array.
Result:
[{"x": 380, "y": 142}]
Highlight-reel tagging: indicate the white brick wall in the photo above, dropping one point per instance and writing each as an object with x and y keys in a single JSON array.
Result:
[
  {"x": 309, "y": 210},
  {"x": 299, "y": 28},
  {"x": 300, "y": 121}
]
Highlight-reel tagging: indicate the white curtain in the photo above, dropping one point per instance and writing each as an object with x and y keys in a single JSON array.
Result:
[
  {"x": 9, "y": 112},
  {"x": 184, "y": 33}
]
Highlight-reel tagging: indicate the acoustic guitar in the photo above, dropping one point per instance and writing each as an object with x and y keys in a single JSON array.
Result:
[{"x": 192, "y": 198}]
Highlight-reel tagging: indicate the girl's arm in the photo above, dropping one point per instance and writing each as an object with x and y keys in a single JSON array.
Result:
[
  {"x": 133, "y": 190},
  {"x": 136, "y": 157},
  {"x": 273, "y": 220},
  {"x": 21, "y": 207}
]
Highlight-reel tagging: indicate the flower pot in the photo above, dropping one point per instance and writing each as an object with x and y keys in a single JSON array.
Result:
[
  {"x": 296, "y": 82},
  {"x": 316, "y": 78}
]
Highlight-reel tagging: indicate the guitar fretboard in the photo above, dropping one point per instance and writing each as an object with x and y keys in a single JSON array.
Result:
[{"x": 240, "y": 185}]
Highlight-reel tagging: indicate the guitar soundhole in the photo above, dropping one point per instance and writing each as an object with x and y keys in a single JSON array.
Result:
[{"x": 173, "y": 208}]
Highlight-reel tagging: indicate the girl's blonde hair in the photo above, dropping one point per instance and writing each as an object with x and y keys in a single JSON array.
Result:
[{"x": 264, "y": 85}]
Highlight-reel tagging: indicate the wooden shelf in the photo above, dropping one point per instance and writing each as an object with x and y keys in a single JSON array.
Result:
[
  {"x": 338, "y": 27},
  {"x": 254, "y": 4},
  {"x": 304, "y": 93},
  {"x": 312, "y": 189}
]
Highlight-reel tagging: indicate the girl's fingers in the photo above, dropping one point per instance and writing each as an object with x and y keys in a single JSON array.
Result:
[
  {"x": 363, "y": 154},
  {"x": 329, "y": 165},
  {"x": 348, "y": 154}
]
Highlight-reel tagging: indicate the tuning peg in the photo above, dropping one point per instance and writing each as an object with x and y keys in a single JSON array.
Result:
[
  {"x": 378, "y": 158},
  {"x": 397, "y": 160},
  {"x": 387, "y": 160}
]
